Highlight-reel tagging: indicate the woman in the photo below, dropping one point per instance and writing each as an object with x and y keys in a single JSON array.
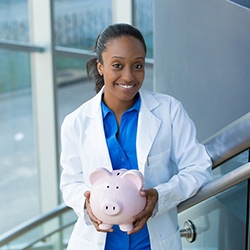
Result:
[{"x": 126, "y": 127}]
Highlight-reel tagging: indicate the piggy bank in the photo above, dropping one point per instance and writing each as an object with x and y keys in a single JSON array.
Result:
[{"x": 115, "y": 197}]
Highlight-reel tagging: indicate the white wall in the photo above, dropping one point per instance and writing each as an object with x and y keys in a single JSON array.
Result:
[{"x": 202, "y": 57}]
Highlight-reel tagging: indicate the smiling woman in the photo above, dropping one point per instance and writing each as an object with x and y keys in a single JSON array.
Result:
[{"x": 123, "y": 127}]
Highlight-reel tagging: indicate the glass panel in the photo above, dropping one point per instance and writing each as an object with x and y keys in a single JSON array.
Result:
[
  {"x": 231, "y": 164},
  {"x": 14, "y": 20},
  {"x": 221, "y": 221},
  {"x": 143, "y": 20},
  {"x": 53, "y": 235},
  {"x": 18, "y": 166},
  {"x": 77, "y": 23},
  {"x": 73, "y": 87}
]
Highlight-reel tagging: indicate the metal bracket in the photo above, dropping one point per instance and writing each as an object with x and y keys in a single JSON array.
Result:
[{"x": 188, "y": 231}]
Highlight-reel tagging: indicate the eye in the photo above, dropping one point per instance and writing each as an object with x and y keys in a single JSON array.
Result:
[
  {"x": 117, "y": 65},
  {"x": 138, "y": 66},
  {"x": 107, "y": 186},
  {"x": 117, "y": 187}
]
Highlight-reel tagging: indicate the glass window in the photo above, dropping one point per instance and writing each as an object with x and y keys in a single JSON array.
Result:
[
  {"x": 143, "y": 20},
  {"x": 14, "y": 20},
  {"x": 18, "y": 166},
  {"x": 73, "y": 87},
  {"x": 77, "y": 23}
]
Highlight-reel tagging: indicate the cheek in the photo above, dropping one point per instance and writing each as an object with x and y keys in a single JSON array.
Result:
[
  {"x": 140, "y": 77},
  {"x": 110, "y": 77}
]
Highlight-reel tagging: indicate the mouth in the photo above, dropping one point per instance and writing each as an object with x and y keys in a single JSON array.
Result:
[{"x": 126, "y": 86}]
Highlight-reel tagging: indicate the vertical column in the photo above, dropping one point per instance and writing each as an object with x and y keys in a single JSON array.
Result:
[
  {"x": 122, "y": 11},
  {"x": 43, "y": 92}
]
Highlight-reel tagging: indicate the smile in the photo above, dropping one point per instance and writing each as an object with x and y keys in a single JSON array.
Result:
[{"x": 126, "y": 86}]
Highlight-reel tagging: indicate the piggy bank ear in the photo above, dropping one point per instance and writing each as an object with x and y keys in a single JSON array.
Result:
[
  {"x": 135, "y": 176},
  {"x": 97, "y": 174}
]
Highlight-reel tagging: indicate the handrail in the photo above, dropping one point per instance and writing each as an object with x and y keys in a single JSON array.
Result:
[
  {"x": 47, "y": 235},
  {"x": 80, "y": 53},
  {"x": 227, "y": 143},
  {"x": 30, "y": 224},
  {"x": 59, "y": 50},
  {"x": 212, "y": 188},
  {"x": 230, "y": 141},
  {"x": 20, "y": 46}
]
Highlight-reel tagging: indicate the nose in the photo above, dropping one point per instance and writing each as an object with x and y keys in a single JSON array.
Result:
[
  {"x": 111, "y": 208},
  {"x": 127, "y": 74}
]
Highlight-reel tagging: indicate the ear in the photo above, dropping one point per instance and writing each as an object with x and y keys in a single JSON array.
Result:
[
  {"x": 97, "y": 174},
  {"x": 99, "y": 67},
  {"x": 134, "y": 176}
]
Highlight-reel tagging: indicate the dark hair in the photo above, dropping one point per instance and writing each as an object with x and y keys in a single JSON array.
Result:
[{"x": 111, "y": 32}]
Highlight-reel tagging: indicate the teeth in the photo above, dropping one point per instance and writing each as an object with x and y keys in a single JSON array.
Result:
[{"x": 125, "y": 86}]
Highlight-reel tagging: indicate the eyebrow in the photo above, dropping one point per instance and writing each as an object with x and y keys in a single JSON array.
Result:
[{"x": 120, "y": 57}]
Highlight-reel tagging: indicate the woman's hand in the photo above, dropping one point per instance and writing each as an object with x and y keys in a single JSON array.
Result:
[
  {"x": 141, "y": 219},
  {"x": 96, "y": 222}
]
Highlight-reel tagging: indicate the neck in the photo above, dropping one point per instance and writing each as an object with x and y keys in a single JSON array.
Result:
[{"x": 118, "y": 107}]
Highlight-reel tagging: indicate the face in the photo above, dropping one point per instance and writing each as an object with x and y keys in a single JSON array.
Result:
[{"x": 123, "y": 70}]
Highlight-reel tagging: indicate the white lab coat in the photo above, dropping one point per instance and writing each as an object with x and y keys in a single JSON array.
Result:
[{"x": 170, "y": 158}]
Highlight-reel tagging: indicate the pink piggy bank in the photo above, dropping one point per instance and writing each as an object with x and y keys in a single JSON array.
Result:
[{"x": 115, "y": 197}]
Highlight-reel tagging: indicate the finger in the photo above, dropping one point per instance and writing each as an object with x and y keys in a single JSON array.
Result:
[
  {"x": 92, "y": 217},
  {"x": 143, "y": 193},
  {"x": 140, "y": 216},
  {"x": 87, "y": 194},
  {"x": 105, "y": 231},
  {"x": 138, "y": 225}
]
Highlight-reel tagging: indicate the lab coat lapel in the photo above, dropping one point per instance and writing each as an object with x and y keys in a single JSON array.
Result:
[
  {"x": 148, "y": 126},
  {"x": 95, "y": 133}
]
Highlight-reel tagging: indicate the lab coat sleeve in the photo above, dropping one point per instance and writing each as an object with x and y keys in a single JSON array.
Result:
[
  {"x": 72, "y": 182},
  {"x": 191, "y": 160}
]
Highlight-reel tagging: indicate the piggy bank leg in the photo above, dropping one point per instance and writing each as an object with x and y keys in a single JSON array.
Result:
[
  {"x": 104, "y": 226},
  {"x": 126, "y": 227}
]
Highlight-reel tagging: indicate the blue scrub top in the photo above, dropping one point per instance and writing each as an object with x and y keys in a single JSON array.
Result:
[{"x": 122, "y": 150}]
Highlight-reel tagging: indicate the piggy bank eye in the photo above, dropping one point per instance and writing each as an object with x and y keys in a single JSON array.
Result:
[
  {"x": 118, "y": 174},
  {"x": 117, "y": 187},
  {"x": 107, "y": 186}
]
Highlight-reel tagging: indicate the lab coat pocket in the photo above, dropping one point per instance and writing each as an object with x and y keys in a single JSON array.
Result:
[
  {"x": 158, "y": 169},
  {"x": 158, "y": 160}
]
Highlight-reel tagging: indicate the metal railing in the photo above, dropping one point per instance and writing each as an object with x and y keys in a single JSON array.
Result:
[
  {"x": 31, "y": 224},
  {"x": 230, "y": 141},
  {"x": 20, "y": 46},
  {"x": 226, "y": 181},
  {"x": 227, "y": 143},
  {"x": 59, "y": 50}
]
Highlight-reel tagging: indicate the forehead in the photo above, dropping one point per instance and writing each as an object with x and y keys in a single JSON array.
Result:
[{"x": 124, "y": 46}]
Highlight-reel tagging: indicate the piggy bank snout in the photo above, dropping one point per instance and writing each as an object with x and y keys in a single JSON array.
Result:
[{"x": 112, "y": 207}]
